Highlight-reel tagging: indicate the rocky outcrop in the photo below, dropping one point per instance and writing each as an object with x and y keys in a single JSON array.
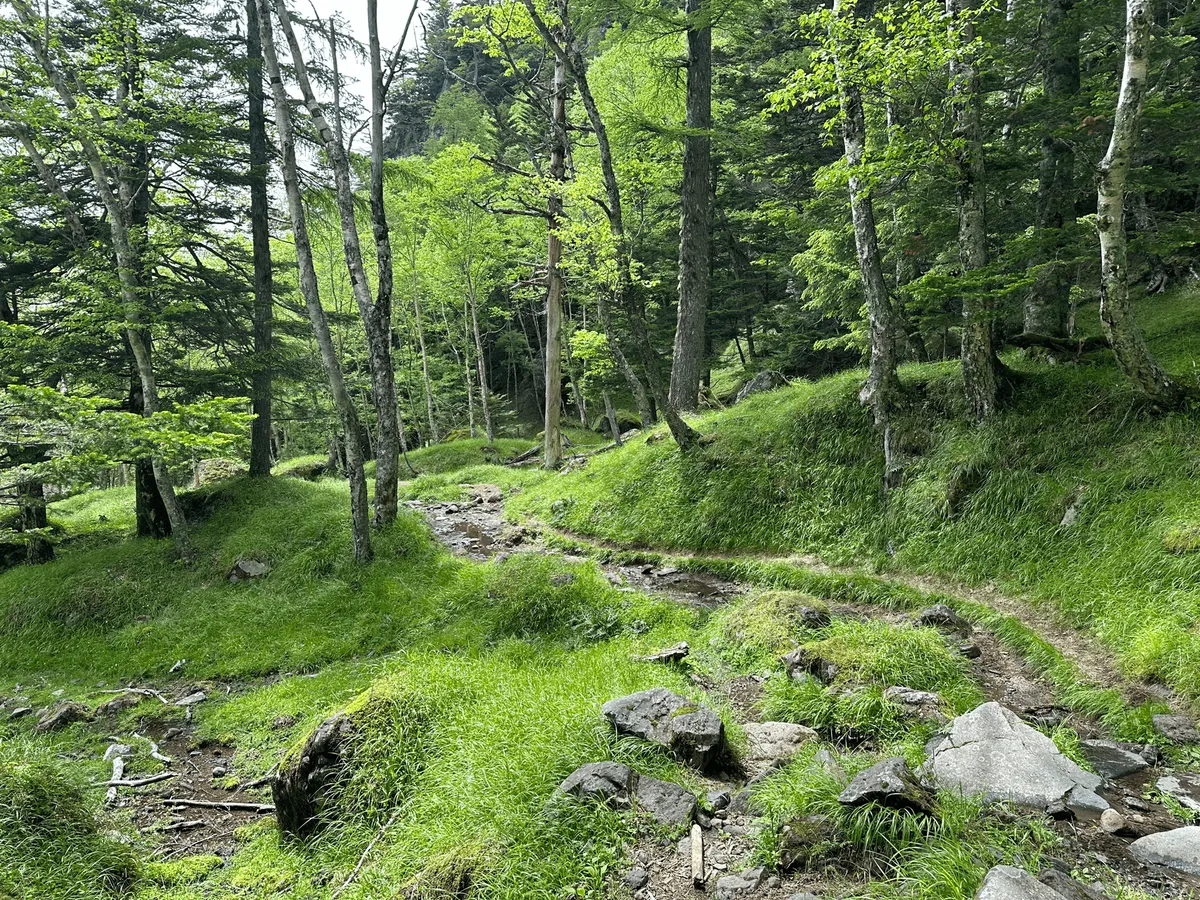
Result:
[
  {"x": 943, "y": 618},
  {"x": 990, "y": 752},
  {"x": 920, "y": 704},
  {"x": 305, "y": 785},
  {"x": 1183, "y": 788},
  {"x": 247, "y": 570},
  {"x": 1112, "y": 760},
  {"x": 766, "y": 380},
  {"x": 66, "y": 713},
  {"x": 667, "y": 802},
  {"x": 609, "y": 783},
  {"x": 888, "y": 783},
  {"x": 1179, "y": 729},
  {"x": 1178, "y": 849},
  {"x": 801, "y": 664},
  {"x": 693, "y": 733}
]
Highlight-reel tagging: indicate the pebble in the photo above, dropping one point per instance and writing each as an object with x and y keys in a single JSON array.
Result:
[{"x": 1112, "y": 821}]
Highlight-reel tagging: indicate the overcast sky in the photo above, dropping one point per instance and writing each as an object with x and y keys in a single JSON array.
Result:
[{"x": 392, "y": 14}]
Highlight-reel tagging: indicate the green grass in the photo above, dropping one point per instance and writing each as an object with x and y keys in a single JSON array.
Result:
[{"x": 799, "y": 470}]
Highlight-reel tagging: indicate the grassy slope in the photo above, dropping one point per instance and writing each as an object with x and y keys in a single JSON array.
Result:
[{"x": 798, "y": 470}]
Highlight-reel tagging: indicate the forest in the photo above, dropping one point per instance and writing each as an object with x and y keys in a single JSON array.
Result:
[{"x": 632, "y": 449}]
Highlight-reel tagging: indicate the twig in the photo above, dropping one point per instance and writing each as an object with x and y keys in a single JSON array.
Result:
[
  {"x": 262, "y": 808},
  {"x": 117, "y": 781},
  {"x": 362, "y": 859},
  {"x": 183, "y": 826},
  {"x": 259, "y": 782}
]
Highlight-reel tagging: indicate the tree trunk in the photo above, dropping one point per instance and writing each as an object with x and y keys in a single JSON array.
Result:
[
  {"x": 981, "y": 368},
  {"x": 433, "y": 432},
  {"x": 1116, "y": 311},
  {"x": 347, "y": 414},
  {"x": 149, "y": 509},
  {"x": 376, "y": 315},
  {"x": 558, "y": 153},
  {"x": 1047, "y": 302},
  {"x": 882, "y": 385},
  {"x": 695, "y": 223},
  {"x": 481, "y": 367},
  {"x": 613, "y": 425},
  {"x": 260, "y": 229}
]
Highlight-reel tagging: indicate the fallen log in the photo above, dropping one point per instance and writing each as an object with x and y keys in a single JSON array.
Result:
[
  {"x": 117, "y": 782},
  {"x": 262, "y": 808}
]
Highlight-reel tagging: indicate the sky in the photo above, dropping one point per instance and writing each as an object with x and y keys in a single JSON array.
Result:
[{"x": 392, "y": 15}]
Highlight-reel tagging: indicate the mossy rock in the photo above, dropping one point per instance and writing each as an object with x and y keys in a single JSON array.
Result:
[{"x": 1182, "y": 539}]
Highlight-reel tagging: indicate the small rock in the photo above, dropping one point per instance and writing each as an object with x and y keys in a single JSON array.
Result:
[
  {"x": 281, "y": 722},
  {"x": 734, "y": 887},
  {"x": 766, "y": 380},
  {"x": 814, "y": 618},
  {"x": 829, "y": 764},
  {"x": 19, "y": 713},
  {"x": 1178, "y": 849},
  {"x": 669, "y": 803},
  {"x": 1011, "y": 883},
  {"x": 1067, "y": 887},
  {"x": 888, "y": 783},
  {"x": 115, "y": 750},
  {"x": 606, "y": 782},
  {"x": 63, "y": 715},
  {"x": 922, "y": 704},
  {"x": 800, "y": 838},
  {"x": 970, "y": 650},
  {"x": 1110, "y": 760},
  {"x": 800, "y": 662},
  {"x": 219, "y": 772},
  {"x": 171, "y": 733},
  {"x": 246, "y": 570},
  {"x": 192, "y": 699},
  {"x": 670, "y": 655},
  {"x": 1179, "y": 729},
  {"x": 718, "y": 800},
  {"x": 635, "y": 879},
  {"x": 693, "y": 733},
  {"x": 119, "y": 703},
  {"x": 943, "y": 618},
  {"x": 1112, "y": 821},
  {"x": 804, "y": 895},
  {"x": 770, "y": 741},
  {"x": 1184, "y": 788}
]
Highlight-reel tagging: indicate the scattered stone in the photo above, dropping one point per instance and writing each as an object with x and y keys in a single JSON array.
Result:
[
  {"x": 799, "y": 663},
  {"x": 63, "y": 715},
  {"x": 115, "y": 750},
  {"x": 1110, "y": 759},
  {"x": 669, "y": 803},
  {"x": 636, "y": 879},
  {"x": 970, "y": 650},
  {"x": 829, "y": 764},
  {"x": 1184, "y": 788},
  {"x": 670, "y": 655},
  {"x": 247, "y": 570},
  {"x": 301, "y": 788},
  {"x": 799, "y": 840},
  {"x": 814, "y": 617},
  {"x": 1178, "y": 849},
  {"x": 1179, "y": 729},
  {"x": 610, "y": 783},
  {"x": 888, "y": 783},
  {"x": 766, "y": 380},
  {"x": 923, "y": 704},
  {"x": 1011, "y": 883},
  {"x": 19, "y": 712},
  {"x": 120, "y": 703},
  {"x": 991, "y": 752},
  {"x": 734, "y": 887},
  {"x": 192, "y": 699},
  {"x": 171, "y": 733},
  {"x": 718, "y": 800},
  {"x": 943, "y": 618},
  {"x": 1067, "y": 887},
  {"x": 771, "y": 741},
  {"x": 219, "y": 772},
  {"x": 804, "y": 895},
  {"x": 1112, "y": 821},
  {"x": 1045, "y": 716},
  {"x": 693, "y": 733},
  {"x": 281, "y": 722}
]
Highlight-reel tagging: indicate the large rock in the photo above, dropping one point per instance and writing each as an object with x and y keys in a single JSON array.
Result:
[
  {"x": 888, "y": 783},
  {"x": 1067, "y": 887},
  {"x": 304, "y": 786},
  {"x": 1180, "y": 729},
  {"x": 1011, "y": 883},
  {"x": 1178, "y": 849},
  {"x": 669, "y": 803},
  {"x": 770, "y": 741},
  {"x": 992, "y": 753},
  {"x": 66, "y": 713},
  {"x": 693, "y": 733},
  {"x": 763, "y": 381},
  {"x": 605, "y": 782},
  {"x": 1111, "y": 760},
  {"x": 1183, "y": 787}
]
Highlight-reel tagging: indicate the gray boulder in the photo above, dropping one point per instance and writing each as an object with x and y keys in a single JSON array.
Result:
[
  {"x": 992, "y": 753},
  {"x": 735, "y": 887},
  {"x": 1182, "y": 787},
  {"x": 669, "y": 803},
  {"x": 888, "y": 783},
  {"x": 766, "y": 380},
  {"x": 248, "y": 570},
  {"x": 1011, "y": 883},
  {"x": 1178, "y": 849},
  {"x": 61, "y": 716},
  {"x": 921, "y": 704},
  {"x": 693, "y": 733},
  {"x": 1179, "y": 729},
  {"x": 1112, "y": 760},
  {"x": 603, "y": 782},
  {"x": 1067, "y": 887},
  {"x": 636, "y": 878},
  {"x": 770, "y": 741}
]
